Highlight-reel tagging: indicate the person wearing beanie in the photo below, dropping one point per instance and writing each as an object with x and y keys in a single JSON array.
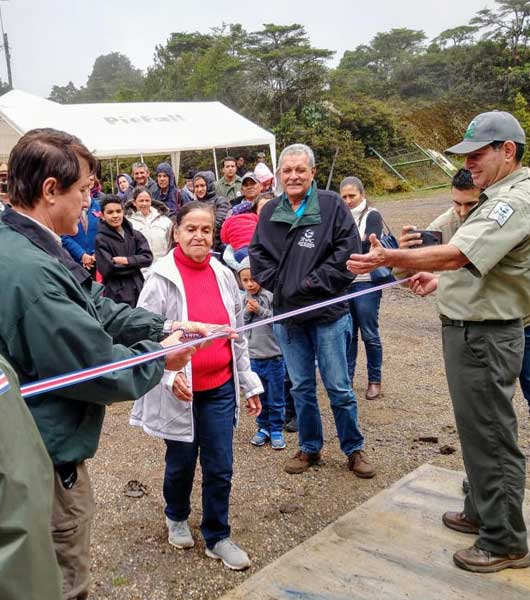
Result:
[{"x": 266, "y": 360}]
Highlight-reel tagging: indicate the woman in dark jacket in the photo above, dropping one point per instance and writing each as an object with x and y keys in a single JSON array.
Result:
[
  {"x": 365, "y": 309},
  {"x": 121, "y": 252},
  {"x": 204, "y": 184}
]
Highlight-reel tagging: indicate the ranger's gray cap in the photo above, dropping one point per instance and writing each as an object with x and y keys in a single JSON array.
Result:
[{"x": 488, "y": 127}]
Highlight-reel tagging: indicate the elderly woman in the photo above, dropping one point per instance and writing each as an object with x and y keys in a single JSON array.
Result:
[
  {"x": 151, "y": 220},
  {"x": 365, "y": 309},
  {"x": 204, "y": 186},
  {"x": 194, "y": 410}
]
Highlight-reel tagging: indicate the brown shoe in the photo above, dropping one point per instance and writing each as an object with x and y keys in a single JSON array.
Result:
[
  {"x": 373, "y": 391},
  {"x": 360, "y": 466},
  {"x": 459, "y": 522},
  {"x": 481, "y": 561},
  {"x": 300, "y": 462}
]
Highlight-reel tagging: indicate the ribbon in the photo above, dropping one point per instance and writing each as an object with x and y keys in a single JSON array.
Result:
[
  {"x": 4, "y": 382},
  {"x": 54, "y": 383}
]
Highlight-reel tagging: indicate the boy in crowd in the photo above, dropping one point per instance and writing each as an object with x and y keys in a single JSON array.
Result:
[
  {"x": 121, "y": 252},
  {"x": 266, "y": 360}
]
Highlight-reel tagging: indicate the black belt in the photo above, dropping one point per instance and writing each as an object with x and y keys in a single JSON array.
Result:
[{"x": 458, "y": 323}]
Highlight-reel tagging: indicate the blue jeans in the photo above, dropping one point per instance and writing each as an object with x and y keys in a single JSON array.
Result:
[
  {"x": 327, "y": 342},
  {"x": 213, "y": 421},
  {"x": 524, "y": 378},
  {"x": 365, "y": 316},
  {"x": 271, "y": 371}
]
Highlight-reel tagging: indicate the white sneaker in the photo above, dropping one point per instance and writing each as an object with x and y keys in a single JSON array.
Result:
[
  {"x": 179, "y": 534},
  {"x": 231, "y": 555}
]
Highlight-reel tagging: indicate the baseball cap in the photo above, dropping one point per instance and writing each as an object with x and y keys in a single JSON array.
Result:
[
  {"x": 250, "y": 175},
  {"x": 488, "y": 127},
  {"x": 260, "y": 155},
  {"x": 190, "y": 174}
]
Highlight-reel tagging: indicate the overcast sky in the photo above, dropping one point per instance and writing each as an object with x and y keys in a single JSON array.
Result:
[{"x": 55, "y": 41}]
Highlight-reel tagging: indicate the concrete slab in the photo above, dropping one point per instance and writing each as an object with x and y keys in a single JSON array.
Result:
[{"x": 393, "y": 547}]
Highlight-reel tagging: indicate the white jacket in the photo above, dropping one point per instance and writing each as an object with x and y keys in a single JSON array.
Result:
[
  {"x": 159, "y": 413},
  {"x": 156, "y": 228}
]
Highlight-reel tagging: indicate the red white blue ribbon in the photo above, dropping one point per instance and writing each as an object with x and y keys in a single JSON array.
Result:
[
  {"x": 4, "y": 383},
  {"x": 68, "y": 379}
]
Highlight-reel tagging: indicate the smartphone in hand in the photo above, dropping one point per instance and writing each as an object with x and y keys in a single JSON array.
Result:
[{"x": 428, "y": 237}]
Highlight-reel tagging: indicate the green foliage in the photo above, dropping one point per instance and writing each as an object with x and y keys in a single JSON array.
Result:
[
  {"x": 398, "y": 89},
  {"x": 64, "y": 94}
]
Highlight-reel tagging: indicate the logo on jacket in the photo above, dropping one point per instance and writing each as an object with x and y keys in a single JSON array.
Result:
[{"x": 307, "y": 239}]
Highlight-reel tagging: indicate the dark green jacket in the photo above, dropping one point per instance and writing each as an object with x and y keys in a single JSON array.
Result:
[
  {"x": 54, "y": 321},
  {"x": 28, "y": 567}
]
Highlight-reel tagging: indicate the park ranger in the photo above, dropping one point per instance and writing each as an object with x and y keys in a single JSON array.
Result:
[{"x": 483, "y": 294}]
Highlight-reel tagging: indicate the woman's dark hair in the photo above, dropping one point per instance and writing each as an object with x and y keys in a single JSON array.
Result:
[
  {"x": 139, "y": 190},
  {"x": 194, "y": 205},
  {"x": 355, "y": 181},
  {"x": 263, "y": 196},
  {"x": 40, "y": 154},
  {"x": 109, "y": 199}
]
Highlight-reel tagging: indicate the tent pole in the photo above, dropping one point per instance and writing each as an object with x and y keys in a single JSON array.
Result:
[
  {"x": 175, "y": 163},
  {"x": 111, "y": 176},
  {"x": 215, "y": 164}
]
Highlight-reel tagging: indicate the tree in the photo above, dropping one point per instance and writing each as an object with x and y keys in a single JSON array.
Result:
[
  {"x": 287, "y": 70},
  {"x": 64, "y": 94},
  {"x": 111, "y": 74},
  {"x": 509, "y": 24},
  {"x": 459, "y": 36}
]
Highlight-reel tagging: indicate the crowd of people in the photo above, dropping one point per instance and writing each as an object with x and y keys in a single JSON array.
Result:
[{"x": 154, "y": 264}]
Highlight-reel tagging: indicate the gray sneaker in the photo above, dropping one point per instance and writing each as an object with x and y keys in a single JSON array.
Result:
[
  {"x": 231, "y": 555},
  {"x": 179, "y": 534}
]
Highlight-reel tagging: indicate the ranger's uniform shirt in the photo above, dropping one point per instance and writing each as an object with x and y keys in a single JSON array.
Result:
[{"x": 495, "y": 237}]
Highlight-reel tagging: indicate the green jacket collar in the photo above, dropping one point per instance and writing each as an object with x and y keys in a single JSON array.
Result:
[{"x": 284, "y": 213}]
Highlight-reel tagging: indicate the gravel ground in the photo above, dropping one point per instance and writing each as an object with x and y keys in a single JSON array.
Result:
[{"x": 271, "y": 512}]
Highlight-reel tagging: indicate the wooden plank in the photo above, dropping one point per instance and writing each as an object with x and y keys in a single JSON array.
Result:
[{"x": 393, "y": 547}]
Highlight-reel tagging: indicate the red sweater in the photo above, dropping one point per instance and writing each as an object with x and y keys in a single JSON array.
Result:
[
  {"x": 212, "y": 366},
  {"x": 238, "y": 230}
]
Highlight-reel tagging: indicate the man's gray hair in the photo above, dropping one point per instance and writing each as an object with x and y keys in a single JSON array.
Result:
[
  {"x": 140, "y": 165},
  {"x": 297, "y": 149}
]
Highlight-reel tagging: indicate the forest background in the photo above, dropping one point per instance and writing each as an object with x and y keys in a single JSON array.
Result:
[{"x": 398, "y": 90}]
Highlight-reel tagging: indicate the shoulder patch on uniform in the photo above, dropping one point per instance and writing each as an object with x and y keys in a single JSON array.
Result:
[
  {"x": 4, "y": 383},
  {"x": 501, "y": 212}
]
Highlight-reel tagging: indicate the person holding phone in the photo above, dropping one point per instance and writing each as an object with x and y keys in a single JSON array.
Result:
[
  {"x": 194, "y": 410},
  {"x": 483, "y": 295},
  {"x": 464, "y": 196}
]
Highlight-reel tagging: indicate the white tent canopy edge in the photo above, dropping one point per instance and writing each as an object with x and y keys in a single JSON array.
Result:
[{"x": 116, "y": 130}]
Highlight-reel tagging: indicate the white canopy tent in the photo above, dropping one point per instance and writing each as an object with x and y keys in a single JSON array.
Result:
[{"x": 133, "y": 128}]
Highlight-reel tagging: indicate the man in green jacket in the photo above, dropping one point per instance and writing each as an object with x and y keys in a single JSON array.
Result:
[
  {"x": 56, "y": 320},
  {"x": 229, "y": 186},
  {"x": 28, "y": 567}
]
